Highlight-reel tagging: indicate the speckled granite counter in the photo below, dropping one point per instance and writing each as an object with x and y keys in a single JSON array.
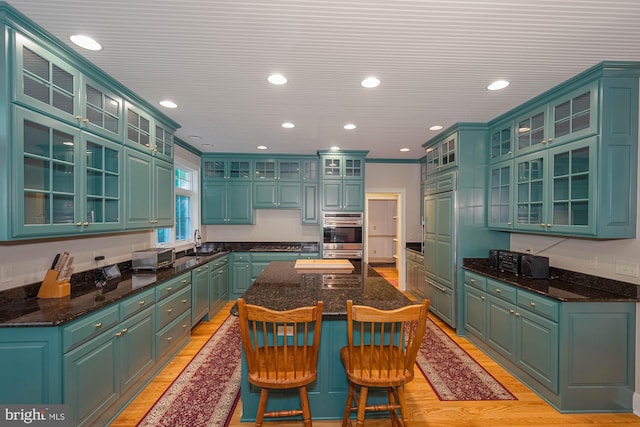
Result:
[
  {"x": 562, "y": 285},
  {"x": 281, "y": 287},
  {"x": 19, "y": 307}
]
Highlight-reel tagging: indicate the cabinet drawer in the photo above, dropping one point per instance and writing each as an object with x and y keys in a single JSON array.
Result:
[
  {"x": 540, "y": 305},
  {"x": 411, "y": 255},
  {"x": 501, "y": 290},
  {"x": 171, "y": 308},
  {"x": 475, "y": 280},
  {"x": 175, "y": 334},
  {"x": 88, "y": 327},
  {"x": 137, "y": 303},
  {"x": 170, "y": 287},
  {"x": 239, "y": 257},
  {"x": 221, "y": 262}
]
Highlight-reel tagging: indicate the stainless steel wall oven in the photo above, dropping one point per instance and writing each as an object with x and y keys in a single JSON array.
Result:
[{"x": 342, "y": 235}]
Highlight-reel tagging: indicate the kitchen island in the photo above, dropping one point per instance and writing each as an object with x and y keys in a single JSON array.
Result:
[{"x": 280, "y": 287}]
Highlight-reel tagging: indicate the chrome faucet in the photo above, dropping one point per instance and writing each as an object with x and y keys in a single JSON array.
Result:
[{"x": 197, "y": 241}]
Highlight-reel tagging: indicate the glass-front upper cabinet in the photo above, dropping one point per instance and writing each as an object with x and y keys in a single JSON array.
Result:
[
  {"x": 500, "y": 206},
  {"x": 163, "y": 146},
  {"x": 45, "y": 82},
  {"x": 448, "y": 151},
  {"x": 531, "y": 131},
  {"x": 310, "y": 170},
  {"x": 271, "y": 169},
  {"x": 226, "y": 168},
  {"x": 138, "y": 129},
  {"x": 530, "y": 192},
  {"x": 575, "y": 115},
  {"x": 501, "y": 142}
]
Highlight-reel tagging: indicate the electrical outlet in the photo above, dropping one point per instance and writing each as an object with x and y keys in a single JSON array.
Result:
[
  {"x": 6, "y": 273},
  {"x": 627, "y": 268},
  {"x": 593, "y": 263}
]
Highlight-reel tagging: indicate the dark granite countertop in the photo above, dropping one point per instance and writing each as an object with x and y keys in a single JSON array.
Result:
[
  {"x": 280, "y": 287},
  {"x": 562, "y": 285},
  {"x": 21, "y": 307}
]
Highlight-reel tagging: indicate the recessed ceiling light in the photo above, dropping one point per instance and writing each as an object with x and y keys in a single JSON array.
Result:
[
  {"x": 370, "y": 82},
  {"x": 498, "y": 84},
  {"x": 405, "y": 149},
  {"x": 85, "y": 42},
  {"x": 206, "y": 144},
  {"x": 168, "y": 104},
  {"x": 192, "y": 136},
  {"x": 349, "y": 126},
  {"x": 435, "y": 127},
  {"x": 277, "y": 79},
  {"x": 288, "y": 125},
  {"x": 335, "y": 148},
  {"x": 261, "y": 147}
]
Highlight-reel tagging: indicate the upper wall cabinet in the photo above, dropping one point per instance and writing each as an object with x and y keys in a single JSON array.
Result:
[
  {"x": 501, "y": 141},
  {"x": 574, "y": 168},
  {"x": 441, "y": 154},
  {"x": 221, "y": 168},
  {"x": 342, "y": 180},
  {"x": 63, "y": 123},
  {"x": 46, "y": 83}
]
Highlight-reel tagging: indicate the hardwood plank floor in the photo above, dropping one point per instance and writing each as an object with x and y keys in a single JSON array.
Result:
[{"x": 423, "y": 405}]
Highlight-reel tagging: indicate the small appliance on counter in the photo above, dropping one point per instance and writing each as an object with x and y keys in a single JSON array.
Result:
[
  {"x": 152, "y": 259},
  {"x": 519, "y": 263}
]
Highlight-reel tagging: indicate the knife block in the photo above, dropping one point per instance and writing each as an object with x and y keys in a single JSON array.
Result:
[{"x": 51, "y": 288}]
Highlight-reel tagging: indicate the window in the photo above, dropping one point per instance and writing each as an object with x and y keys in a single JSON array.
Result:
[{"x": 186, "y": 209}]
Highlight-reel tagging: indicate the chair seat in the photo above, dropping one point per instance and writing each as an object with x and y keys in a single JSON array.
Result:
[
  {"x": 282, "y": 369},
  {"x": 375, "y": 367}
]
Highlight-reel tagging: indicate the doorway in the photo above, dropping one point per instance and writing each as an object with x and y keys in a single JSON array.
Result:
[{"x": 384, "y": 223}]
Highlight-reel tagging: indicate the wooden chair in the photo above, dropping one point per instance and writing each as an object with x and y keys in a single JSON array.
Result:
[
  {"x": 382, "y": 351},
  {"x": 281, "y": 348}
]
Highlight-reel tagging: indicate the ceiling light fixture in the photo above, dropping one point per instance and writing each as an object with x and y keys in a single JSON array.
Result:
[
  {"x": 405, "y": 149},
  {"x": 349, "y": 126},
  {"x": 370, "y": 82},
  {"x": 335, "y": 148},
  {"x": 85, "y": 42},
  {"x": 168, "y": 104},
  {"x": 277, "y": 79},
  {"x": 288, "y": 125},
  {"x": 261, "y": 147},
  {"x": 498, "y": 84},
  {"x": 435, "y": 127}
]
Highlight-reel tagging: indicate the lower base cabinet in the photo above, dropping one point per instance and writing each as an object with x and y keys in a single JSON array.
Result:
[
  {"x": 578, "y": 356},
  {"x": 442, "y": 301},
  {"x": 414, "y": 268}
]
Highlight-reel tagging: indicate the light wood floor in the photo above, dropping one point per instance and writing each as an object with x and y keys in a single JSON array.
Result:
[{"x": 424, "y": 407}]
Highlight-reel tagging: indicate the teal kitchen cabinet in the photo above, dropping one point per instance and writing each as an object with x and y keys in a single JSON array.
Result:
[
  {"x": 501, "y": 141},
  {"x": 227, "y": 202},
  {"x": 69, "y": 180},
  {"x": 441, "y": 155},
  {"x": 147, "y": 134},
  {"x": 219, "y": 283},
  {"x": 103, "y": 368},
  {"x": 148, "y": 192},
  {"x": 173, "y": 312},
  {"x": 500, "y": 197},
  {"x": 276, "y": 195},
  {"x": 567, "y": 118},
  {"x": 414, "y": 269},
  {"x": 342, "y": 177},
  {"x": 201, "y": 296},
  {"x": 455, "y": 215},
  {"x": 224, "y": 168},
  {"x": 550, "y": 346},
  {"x": 310, "y": 207},
  {"x": 287, "y": 169},
  {"x": 240, "y": 273},
  {"x": 475, "y": 304},
  {"x": 45, "y": 82},
  {"x": 31, "y": 365}
]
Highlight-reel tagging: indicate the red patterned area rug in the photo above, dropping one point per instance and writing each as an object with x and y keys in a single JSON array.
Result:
[
  {"x": 206, "y": 391},
  {"x": 453, "y": 373}
]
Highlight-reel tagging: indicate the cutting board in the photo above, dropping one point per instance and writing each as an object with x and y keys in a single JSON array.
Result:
[{"x": 320, "y": 265}]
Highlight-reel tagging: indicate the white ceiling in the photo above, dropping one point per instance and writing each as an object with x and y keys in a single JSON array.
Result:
[{"x": 434, "y": 58}]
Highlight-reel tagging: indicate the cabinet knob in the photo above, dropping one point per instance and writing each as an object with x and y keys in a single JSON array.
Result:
[
  {"x": 170, "y": 310},
  {"x": 548, "y": 225},
  {"x": 184, "y": 301},
  {"x": 473, "y": 280},
  {"x": 184, "y": 281},
  {"x": 498, "y": 291},
  {"x": 85, "y": 120},
  {"x": 184, "y": 326},
  {"x": 78, "y": 117},
  {"x": 125, "y": 330},
  {"x": 509, "y": 152},
  {"x": 542, "y": 225},
  {"x": 517, "y": 314},
  {"x": 509, "y": 223},
  {"x": 86, "y": 224},
  {"x": 532, "y": 304},
  {"x": 482, "y": 298},
  {"x": 98, "y": 325},
  {"x": 141, "y": 303},
  {"x": 79, "y": 224},
  {"x": 511, "y": 311},
  {"x": 118, "y": 334},
  {"x": 169, "y": 289},
  {"x": 169, "y": 338}
]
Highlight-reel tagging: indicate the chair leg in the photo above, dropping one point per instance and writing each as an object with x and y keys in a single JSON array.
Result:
[
  {"x": 262, "y": 406},
  {"x": 362, "y": 406},
  {"x": 346, "y": 417},
  {"x": 304, "y": 403},
  {"x": 392, "y": 401},
  {"x": 403, "y": 406}
]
